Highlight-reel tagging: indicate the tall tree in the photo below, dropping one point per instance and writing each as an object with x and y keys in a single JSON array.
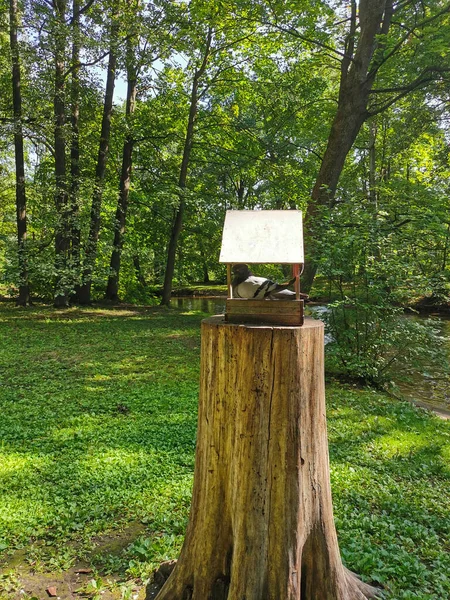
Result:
[
  {"x": 215, "y": 44},
  {"x": 21, "y": 201},
  {"x": 112, "y": 288},
  {"x": 187, "y": 149},
  {"x": 368, "y": 47},
  {"x": 62, "y": 239},
  {"x": 75, "y": 231},
  {"x": 90, "y": 248}
]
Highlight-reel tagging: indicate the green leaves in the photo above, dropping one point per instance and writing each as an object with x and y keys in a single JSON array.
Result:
[{"x": 389, "y": 478}]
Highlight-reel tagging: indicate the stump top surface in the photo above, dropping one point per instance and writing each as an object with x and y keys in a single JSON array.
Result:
[{"x": 309, "y": 323}]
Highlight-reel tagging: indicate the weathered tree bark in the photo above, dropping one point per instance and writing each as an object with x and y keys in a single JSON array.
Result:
[
  {"x": 90, "y": 249},
  {"x": 188, "y": 141},
  {"x": 112, "y": 288},
  {"x": 21, "y": 200},
  {"x": 261, "y": 524}
]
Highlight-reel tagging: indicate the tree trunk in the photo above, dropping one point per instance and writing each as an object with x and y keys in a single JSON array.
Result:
[
  {"x": 138, "y": 271},
  {"x": 21, "y": 200},
  {"x": 112, "y": 288},
  {"x": 204, "y": 264},
  {"x": 75, "y": 232},
  {"x": 178, "y": 218},
  {"x": 62, "y": 241},
  {"x": 261, "y": 523},
  {"x": 373, "y": 191},
  {"x": 355, "y": 85},
  {"x": 90, "y": 250}
]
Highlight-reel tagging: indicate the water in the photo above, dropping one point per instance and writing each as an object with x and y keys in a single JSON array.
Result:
[
  {"x": 213, "y": 305},
  {"x": 430, "y": 390}
]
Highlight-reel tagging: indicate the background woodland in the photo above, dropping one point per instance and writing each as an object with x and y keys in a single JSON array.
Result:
[{"x": 128, "y": 128}]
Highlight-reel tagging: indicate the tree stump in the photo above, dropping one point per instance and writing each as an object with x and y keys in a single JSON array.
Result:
[{"x": 261, "y": 524}]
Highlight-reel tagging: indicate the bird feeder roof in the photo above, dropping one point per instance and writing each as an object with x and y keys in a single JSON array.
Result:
[{"x": 262, "y": 236}]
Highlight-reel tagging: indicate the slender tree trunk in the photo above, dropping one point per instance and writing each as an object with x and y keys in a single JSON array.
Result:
[
  {"x": 204, "y": 264},
  {"x": 445, "y": 251},
  {"x": 373, "y": 195},
  {"x": 21, "y": 201},
  {"x": 355, "y": 85},
  {"x": 261, "y": 523},
  {"x": 62, "y": 239},
  {"x": 137, "y": 269},
  {"x": 112, "y": 288},
  {"x": 241, "y": 194},
  {"x": 75, "y": 232},
  {"x": 90, "y": 250},
  {"x": 187, "y": 149},
  {"x": 373, "y": 192},
  {"x": 178, "y": 218}
]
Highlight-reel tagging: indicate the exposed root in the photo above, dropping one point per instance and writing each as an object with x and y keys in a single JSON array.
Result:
[
  {"x": 367, "y": 591},
  {"x": 160, "y": 576},
  {"x": 221, "y": 585}
]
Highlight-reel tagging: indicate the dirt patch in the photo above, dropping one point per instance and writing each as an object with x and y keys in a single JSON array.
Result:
[
  {"x": 115, "y": 543},
  {"x": 20, "y": 579}
]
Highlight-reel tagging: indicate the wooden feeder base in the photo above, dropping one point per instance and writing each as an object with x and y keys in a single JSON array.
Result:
[{"x": 273, "y": 312}]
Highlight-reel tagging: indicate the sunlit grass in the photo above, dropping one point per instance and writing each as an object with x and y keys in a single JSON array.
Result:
[{"x": 97, "y": 433}]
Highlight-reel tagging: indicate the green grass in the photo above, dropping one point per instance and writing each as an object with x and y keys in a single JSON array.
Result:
[{"x": 97, "y": 438}]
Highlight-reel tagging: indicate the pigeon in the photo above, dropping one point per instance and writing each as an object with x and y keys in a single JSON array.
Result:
[{"x": 246, "y": 285}]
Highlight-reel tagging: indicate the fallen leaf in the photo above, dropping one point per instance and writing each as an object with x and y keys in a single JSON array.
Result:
[
  {"x": 51, "y": 591},
  {"x": 83, "y": 570}
]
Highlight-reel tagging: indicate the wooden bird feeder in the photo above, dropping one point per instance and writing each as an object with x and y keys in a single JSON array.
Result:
[{"x": 263, "y": 237}]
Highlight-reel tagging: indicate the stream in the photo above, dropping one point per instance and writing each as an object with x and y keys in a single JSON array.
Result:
[{"x": 430, "y": 390}]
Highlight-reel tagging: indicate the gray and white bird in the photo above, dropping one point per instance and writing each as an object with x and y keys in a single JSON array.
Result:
[{"x": 247, "y": 285}]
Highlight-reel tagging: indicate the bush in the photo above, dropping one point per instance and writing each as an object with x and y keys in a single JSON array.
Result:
[{"x": 368, "y": 342}]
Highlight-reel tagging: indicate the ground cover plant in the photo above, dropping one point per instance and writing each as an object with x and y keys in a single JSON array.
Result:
[{"x": 97, "y": 429}]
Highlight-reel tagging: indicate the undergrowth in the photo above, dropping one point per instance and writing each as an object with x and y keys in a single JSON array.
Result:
[{"x": 97, "y": 428}]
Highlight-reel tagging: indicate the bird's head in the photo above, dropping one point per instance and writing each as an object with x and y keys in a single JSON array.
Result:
[{"x": 241, "y": 271}]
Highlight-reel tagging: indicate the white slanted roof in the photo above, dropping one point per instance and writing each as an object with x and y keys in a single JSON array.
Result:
[{"x": 262, "y": 236}]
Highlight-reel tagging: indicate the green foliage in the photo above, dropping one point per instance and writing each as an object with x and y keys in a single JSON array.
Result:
[
  {"x": 107, "y": 431},
  {"x": 266, "y": 101},
  {"x": 370, "y": 342},
  {"x": 389, "y": 474},
  {"x": 98, "y": 438}
]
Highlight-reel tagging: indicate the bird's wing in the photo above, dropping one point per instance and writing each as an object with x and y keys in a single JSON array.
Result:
[
  {"x": 254, "y": 287},
  {"x": 282, "y": 295}
]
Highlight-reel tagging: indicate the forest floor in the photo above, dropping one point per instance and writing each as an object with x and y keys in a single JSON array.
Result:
[{"x": 97, "y": 429}]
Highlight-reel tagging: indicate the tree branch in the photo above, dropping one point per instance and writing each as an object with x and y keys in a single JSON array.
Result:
[
  {"x": 200, "y": 71},
  {"x": 410, "y": 31},
  {"x": 349, "y": 43},
  {"x": 296, "y": 34},
  {"x": 418, "y": 83},
  {"x": 87, "y": 64},
  {"x": 82, "y": 10}
]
